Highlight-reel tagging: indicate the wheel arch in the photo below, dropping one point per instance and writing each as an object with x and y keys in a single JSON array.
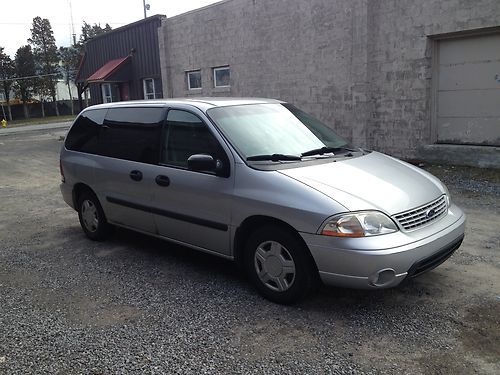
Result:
[
  {"x": 78, "y": 190},
  {"x": 252, "y": 223}
]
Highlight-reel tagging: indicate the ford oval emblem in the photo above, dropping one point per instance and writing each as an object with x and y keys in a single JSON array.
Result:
[{"x": 430, "y": 213}]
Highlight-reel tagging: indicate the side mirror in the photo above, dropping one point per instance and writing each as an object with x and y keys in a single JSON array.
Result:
[{"x": 201, "y": 162}]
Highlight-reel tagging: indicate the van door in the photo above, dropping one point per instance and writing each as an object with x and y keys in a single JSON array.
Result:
[
  {"x": 129, "y": 145},
  {"x": 192, "y": 207}
]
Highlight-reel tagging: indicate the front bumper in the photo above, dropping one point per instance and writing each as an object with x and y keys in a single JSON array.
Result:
[{"x": 384, "y": 261}]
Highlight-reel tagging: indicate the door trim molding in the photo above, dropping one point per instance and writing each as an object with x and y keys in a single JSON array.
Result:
[{"x": 173, "y": 215}]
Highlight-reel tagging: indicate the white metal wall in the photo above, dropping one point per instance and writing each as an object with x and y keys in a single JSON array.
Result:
[{"x": 468, "y": 90}]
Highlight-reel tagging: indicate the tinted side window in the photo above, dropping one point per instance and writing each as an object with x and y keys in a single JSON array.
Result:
[
  {"x": 186, "y": 135},
  {"x": 84, "y": 134},
  {"x": 132, "y": 134}
]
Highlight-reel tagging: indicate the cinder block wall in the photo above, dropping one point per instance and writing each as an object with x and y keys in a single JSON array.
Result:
[
  {"x": 362, "y": 66},
  {"x": 400, "y": 52}
]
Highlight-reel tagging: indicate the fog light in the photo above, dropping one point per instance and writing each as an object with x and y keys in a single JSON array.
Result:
[{"x": 382, "y": 278}]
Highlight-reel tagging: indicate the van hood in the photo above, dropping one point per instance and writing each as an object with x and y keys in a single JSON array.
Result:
[{"x": 372, "y": 181}]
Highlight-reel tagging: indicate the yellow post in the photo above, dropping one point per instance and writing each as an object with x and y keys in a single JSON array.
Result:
[{"x": 4, "y": 123}]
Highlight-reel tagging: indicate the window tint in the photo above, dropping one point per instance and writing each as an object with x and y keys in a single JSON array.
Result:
[
  {"x": 132, "y": 134},
  {"x": 186, "y": 135},
  {"x": 84, "y": 134}
]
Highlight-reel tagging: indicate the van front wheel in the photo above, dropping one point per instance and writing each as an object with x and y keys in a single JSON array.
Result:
[{"x": 278, "y": 265}]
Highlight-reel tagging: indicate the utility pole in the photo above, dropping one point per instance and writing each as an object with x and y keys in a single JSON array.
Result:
[
  {"x": 145, "y": 7},
  {"x": 73, "y": 34}
]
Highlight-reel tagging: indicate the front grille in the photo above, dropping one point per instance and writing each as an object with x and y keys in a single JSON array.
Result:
[
  {"x": 434, "y": 260},
  {"x": 422, "y": 215}
]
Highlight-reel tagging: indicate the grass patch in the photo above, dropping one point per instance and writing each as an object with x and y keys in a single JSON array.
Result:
[{"x": 39, "y": 121}]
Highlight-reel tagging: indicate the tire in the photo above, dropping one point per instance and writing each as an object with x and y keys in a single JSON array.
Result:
[
  {"x": 92, "y": 218},
  {"x": 279, "y": 265}
]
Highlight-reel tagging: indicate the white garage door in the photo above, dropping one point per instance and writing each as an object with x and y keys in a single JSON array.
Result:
[{"x": 468, "y": 98}]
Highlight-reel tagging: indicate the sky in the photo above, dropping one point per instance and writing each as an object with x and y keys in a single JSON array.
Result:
[{"x": 16, "y": 16}]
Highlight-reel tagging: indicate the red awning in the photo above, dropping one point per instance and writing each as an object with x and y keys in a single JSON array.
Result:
[{"x": 107, "y": 69}]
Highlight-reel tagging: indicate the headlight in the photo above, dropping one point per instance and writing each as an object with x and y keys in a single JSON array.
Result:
[
  {"x": 447, "y": 196},
  {"x": 358, "y": 224}
]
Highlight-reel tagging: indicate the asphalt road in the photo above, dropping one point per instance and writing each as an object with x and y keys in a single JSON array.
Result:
[{"x": 138, "y": 305}]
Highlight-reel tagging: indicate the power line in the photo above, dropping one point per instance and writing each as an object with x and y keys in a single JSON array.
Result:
[{"x": 29, "y": 77}]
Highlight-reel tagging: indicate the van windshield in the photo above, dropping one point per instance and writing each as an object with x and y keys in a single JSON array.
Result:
[{"x": 278, "y": 130}]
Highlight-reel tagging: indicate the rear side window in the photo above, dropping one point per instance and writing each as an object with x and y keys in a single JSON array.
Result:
[
  {"x": 132, "y": 134},
  {"x": 84, "y": 134}
]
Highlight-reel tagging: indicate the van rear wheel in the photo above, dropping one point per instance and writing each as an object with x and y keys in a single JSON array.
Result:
[
  {"x": 92, "y": 218},
  {"x": 279, "y": 265}
]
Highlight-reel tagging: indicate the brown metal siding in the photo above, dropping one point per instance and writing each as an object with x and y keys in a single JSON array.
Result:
[{"x": 141, "y": 36}]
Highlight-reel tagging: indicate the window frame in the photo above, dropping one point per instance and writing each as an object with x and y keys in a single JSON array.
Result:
[
  {"x": 215, "y": 70},
  {"x": 189, "y": 82},
  {"x": 144, "y": 88}
]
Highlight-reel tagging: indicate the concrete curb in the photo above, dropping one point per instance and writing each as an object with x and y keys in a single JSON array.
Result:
[
  {"x": 34, "y": 128},
  {"x": 472, "y": 156}
]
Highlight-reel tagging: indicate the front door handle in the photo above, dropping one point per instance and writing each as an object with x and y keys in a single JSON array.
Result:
[
  {"x": 162, "y": 180},
  {"x": 136, "y": 175}
]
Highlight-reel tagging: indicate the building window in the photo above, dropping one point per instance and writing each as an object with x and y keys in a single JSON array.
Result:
[
  {"x": 221, "y": 76},
  {"x": 194, "y": 79},
  {"x": 107, "y": 97},
  {"x": 149, "y": 88}
]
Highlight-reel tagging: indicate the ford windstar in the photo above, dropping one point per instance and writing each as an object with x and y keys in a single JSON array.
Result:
[{"x": 260, "y": 182}]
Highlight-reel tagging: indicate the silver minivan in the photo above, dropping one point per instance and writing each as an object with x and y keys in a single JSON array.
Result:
[{"x": 260, "y": 182}]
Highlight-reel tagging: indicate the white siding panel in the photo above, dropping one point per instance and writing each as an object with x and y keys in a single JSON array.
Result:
[
  {"x": 468, "y": 98},
  {"x": 469, "y": 103}
]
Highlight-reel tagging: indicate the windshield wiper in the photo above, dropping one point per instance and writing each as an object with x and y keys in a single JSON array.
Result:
[
  {"x": 325, "y": 150},
  {"x": 274, "y": 157}
]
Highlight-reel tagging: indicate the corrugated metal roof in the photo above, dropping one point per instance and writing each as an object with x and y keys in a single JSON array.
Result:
[{"x": 107, "y": 69}]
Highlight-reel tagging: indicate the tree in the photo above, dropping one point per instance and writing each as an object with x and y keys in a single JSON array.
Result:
[
  {"x": 46, "y": 57},
  {"x": 7, "y": 71},
  {"x": 70, "y": 59},
  {"x": 25, "y": 71},
  {"x": 90, "y": 31}
]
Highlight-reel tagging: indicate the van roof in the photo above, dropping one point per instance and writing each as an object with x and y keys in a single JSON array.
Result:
[{"x": 202, "y": 103}]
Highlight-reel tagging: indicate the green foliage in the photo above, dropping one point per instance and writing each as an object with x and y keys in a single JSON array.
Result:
[
  {"x": 90, "y": 31},
  {"x": 46, "y": 57},
  {"x": 25, "y": 67},
  {"x": 7, "y": 72},
  {"x": 70, "y": 61}
]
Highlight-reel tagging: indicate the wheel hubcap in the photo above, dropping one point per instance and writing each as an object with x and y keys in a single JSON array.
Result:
[
  {"x": 275, "y": 266},
  {"x": 89, "y": 216}
]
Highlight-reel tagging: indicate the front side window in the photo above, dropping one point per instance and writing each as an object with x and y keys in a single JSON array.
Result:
[
  {"x": 194, "y": 79},
  {"x": 132, "y": 134},
  {"x": 222, "y": 77},
  {"x": 186, "y": 134},
  {"x": 267, "y": 129},
  {"x": 149, "y": 88}
]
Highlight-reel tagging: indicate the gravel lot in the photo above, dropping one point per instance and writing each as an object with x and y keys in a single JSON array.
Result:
[{"x": 138, "y": 305}]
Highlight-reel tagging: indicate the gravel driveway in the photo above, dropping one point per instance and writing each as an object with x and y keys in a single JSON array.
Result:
[{"x": 138, "y": 305}]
